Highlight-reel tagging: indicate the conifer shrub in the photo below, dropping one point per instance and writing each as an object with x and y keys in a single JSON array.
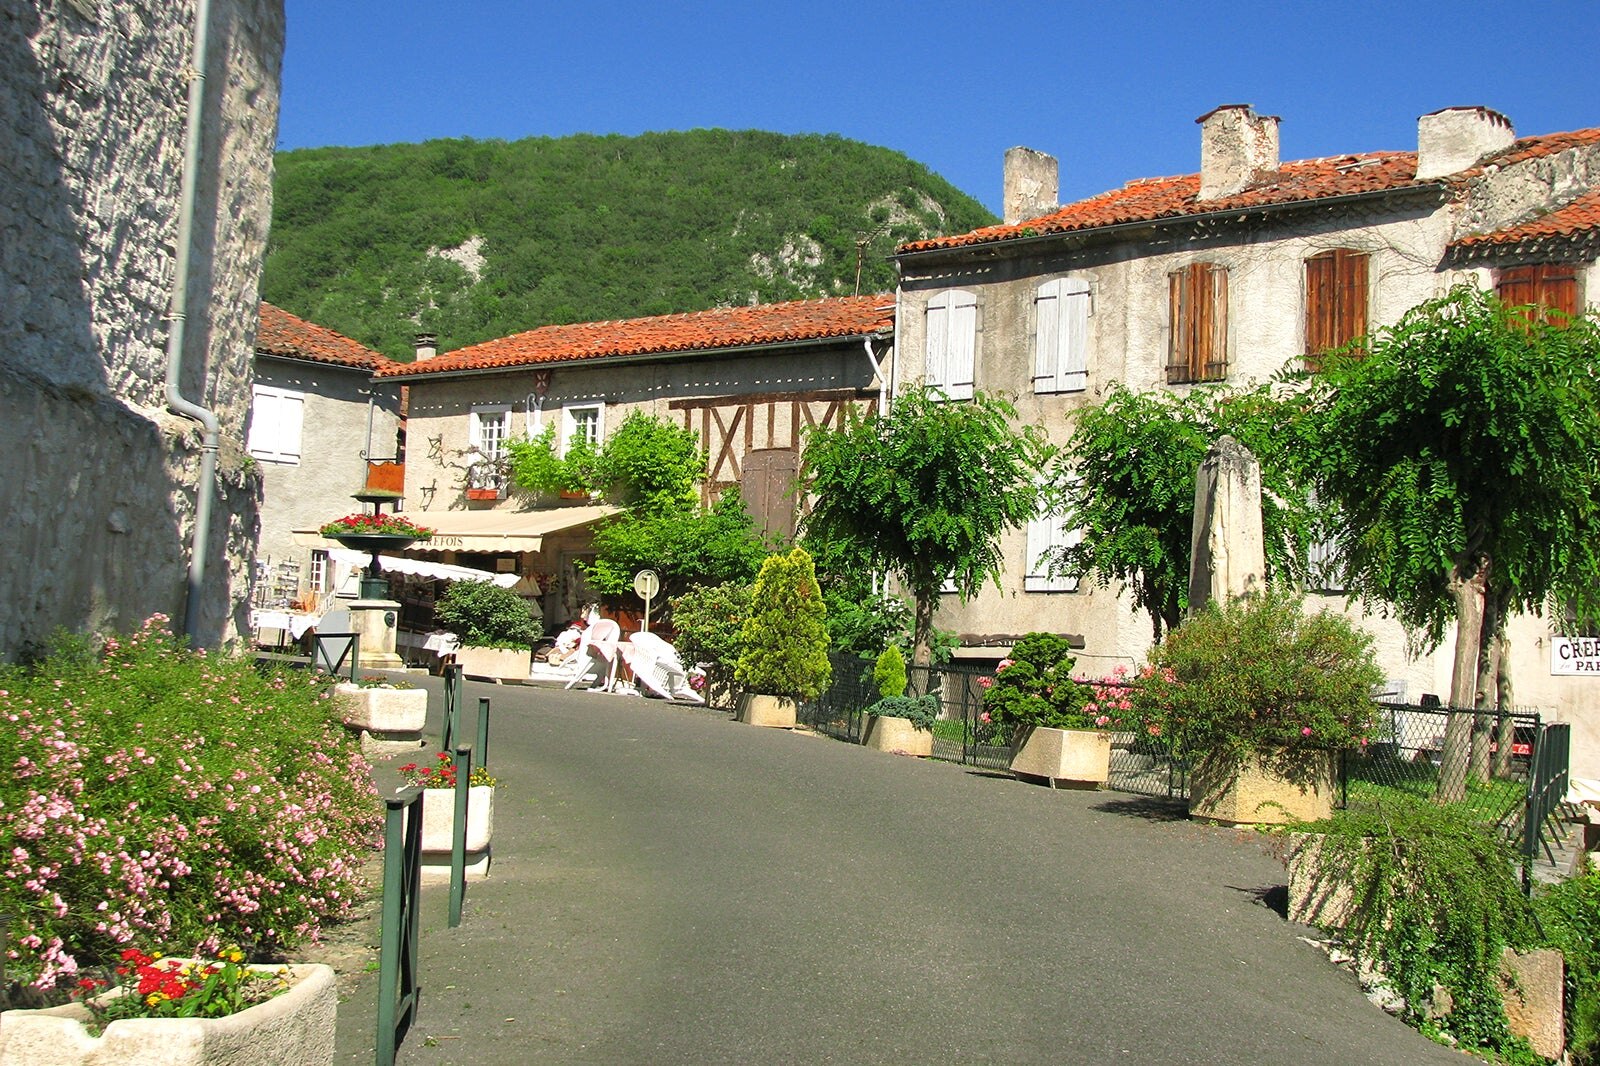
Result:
[
  {"x": 785, "y": 640},
  {"x": 889, "y": 672}
]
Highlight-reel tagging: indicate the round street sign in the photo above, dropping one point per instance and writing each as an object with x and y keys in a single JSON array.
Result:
[{"x": 646, "y": 583}]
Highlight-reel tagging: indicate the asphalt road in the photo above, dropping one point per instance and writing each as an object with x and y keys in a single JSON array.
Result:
[{"x": 672, "y": 887}]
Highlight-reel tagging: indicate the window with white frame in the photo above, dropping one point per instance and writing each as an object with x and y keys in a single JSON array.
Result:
[
  {"x": 952, "y": 338},
  {"x": 487, "y": 431},
  {"x": 582, "y": 422},
  {"x": 1061, "y": 336},
  {"x": 276, "y": 416},
  {"x": 318, "y": 579},
  {"x": 1047, "y": 535}
]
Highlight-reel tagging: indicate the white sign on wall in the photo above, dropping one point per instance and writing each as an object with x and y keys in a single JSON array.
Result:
[{"x": 1575, "y": 655}]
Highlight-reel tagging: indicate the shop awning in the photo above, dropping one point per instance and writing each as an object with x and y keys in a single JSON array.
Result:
[
  {"x": 399, "y": 564},
  {"x": 485, "y": 531}
]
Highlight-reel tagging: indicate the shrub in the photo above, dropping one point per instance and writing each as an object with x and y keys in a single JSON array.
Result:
[
  {"x": 484, "y": 615},
  {"x": 1035, "y": 687},
  {"x": 1261, "y": 674},
  {"x": 785, "y": 643},
  {"x": 889, "y": 672},
  {"x": 921, "y": 711},
  {"x": 174, "y": 799},
  {"x": 709, "y": 621},
  {"x": 1569, "y": 914}
]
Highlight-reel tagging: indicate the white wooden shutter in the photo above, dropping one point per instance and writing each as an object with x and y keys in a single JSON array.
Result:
[
  {"x": 1045, "y": 535},
  {"x": 952, "y": 326},
  {"x": 276, "y": 417},
  {"x": 1061, "y": 336}
]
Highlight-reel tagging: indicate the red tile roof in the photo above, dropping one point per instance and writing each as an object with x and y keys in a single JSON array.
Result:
[
  {"x": 730, "y": 327},
  {"x": 1580, "y": 218},
  {"x": 1151, "y": 199},
  {"x": 285, "y": 335}
]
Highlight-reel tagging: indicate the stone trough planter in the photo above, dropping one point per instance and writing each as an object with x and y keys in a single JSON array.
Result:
[
  {"x": 1064, "y": 758},
  {"x": 779, "y": 712},
  {"x": 1263, "y": 788},
  {"x": 292, "y": 1029},
  {"x": 495, "y": 664},
  {"x": 438, "y": 812},
  {"x": 897, "y": 735},
  {"x": 386, "y": 713}
]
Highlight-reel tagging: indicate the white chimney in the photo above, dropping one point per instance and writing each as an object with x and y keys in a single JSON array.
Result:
[
  {"x": 1032, "y": 185},
  {"x": 1238, "y": 149},
  {"x": 1456, "y": 138},
  {"x": 427, "y": 345}
]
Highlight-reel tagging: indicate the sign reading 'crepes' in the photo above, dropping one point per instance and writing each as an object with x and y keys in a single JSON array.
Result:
[{"x": 1575, "y": 655}]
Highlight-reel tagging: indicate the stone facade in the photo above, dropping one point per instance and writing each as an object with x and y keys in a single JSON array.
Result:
[
  {"x": 1122, "y": 263},
  {"x": 100, "y": 494}
]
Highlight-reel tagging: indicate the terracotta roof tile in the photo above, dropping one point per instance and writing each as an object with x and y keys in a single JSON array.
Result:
[
  {"x": 1580, "y": 218},
  {"x": 731, "y": 327},
  {"x": 1151, "y": 199},
  {"x": 294, "y": 338}
]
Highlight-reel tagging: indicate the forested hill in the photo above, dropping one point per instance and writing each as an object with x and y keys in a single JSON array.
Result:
[{"x": 480, "y": 239}]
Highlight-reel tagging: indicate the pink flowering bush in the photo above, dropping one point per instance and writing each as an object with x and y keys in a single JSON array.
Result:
[{"x": 173, "y": 799}]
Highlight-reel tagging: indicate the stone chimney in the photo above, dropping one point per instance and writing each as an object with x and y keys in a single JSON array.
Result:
[
  {"x": 1457, "y": 137},
  {"x": 1238, "y": 149},
  {"x": 1032, "y": 185},
  {"x": 427, "y": 345}
]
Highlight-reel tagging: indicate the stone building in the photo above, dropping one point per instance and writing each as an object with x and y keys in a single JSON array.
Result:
[
  {"x": 102, "y": 476},
  {"x": 748, "y": 380},
  {"x": 322, "y": 426},
  {"x": 1229, "y": 274}
]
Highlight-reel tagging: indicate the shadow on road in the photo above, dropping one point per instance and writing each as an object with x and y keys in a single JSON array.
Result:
[
  {"x": 1150, "y": 808},
  {"x": 1274, "y": 897}
]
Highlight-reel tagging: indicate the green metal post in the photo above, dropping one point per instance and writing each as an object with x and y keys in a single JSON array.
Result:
[
  {"x": 458, "y": 833},
  {"x": 481, "y": 752},
  {"x": 398, "y": 992}
]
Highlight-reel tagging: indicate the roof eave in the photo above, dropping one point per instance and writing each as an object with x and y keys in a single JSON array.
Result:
[
  {"x": 311, "y": 361},
  {"x": 1422, "y": 190}
]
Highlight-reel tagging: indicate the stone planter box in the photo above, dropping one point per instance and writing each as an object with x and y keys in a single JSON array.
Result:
[
  {"x": 775, "y": 711},
  {"x": 293, "y": 1029},
  {"x": 1263, "y": 788},
  {"x": 387, "y": 713},
  {"x": 438, "y": 813},
  {"x": 1064, "y": 758},
  {"x": 495, "y": 664},
  {"x": 897, "y": 735}
]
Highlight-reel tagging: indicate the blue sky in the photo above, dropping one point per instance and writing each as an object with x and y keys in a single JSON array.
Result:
[{"x": 1110, "y": 89}]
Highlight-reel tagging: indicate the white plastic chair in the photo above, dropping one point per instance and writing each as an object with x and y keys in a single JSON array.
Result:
[{"x": 597, "y": 654}]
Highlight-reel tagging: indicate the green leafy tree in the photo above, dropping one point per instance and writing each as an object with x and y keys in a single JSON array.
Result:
[
  {"x": 1461, "y": 450},
  {"x": 862, "y": 618},
  {"x": 709, "y": 621},
  {"x": 925, "y": 492},
  {"x": 687, "y": 547},
  {"x": 651, "y": 464},
  {"x": 784, "y": 642},
  {"x": 1127, "y": 479}
]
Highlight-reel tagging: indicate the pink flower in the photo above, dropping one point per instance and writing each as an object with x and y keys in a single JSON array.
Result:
[{"x": 1306, "y": 732}]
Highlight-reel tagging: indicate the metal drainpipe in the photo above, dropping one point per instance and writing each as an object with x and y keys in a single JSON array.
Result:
[{"x": 177, "y": 333}]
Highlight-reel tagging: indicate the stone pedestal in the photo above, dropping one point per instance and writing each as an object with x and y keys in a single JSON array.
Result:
[{"x": 375, "y": 620}]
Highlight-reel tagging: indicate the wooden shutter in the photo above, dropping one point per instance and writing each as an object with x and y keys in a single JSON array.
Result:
[
  {"x": 276, "y": 418},
  {"x": 1061, "y": 336},
  {"x": 963, "y": 345},
  {"x": 938, "y": 340},
  {"x": 767, "y": 486},
  {"x": 1552, "y": 286},
  {"x": 1336, "y": 301},
  {"x": 1046, "y": 534},
  {"x": 1198, "y": 346}
]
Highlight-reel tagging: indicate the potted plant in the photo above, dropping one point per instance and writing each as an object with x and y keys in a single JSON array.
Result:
[
  {"x": 898, "y": 723},
  {"x": 375, "y": 533},
  {"x": 1057, "y": 732},
  {"x": 438, "y": 781},
  {"x": 388, "y": 710},
  {"x": 495, "y": 627},
  {"x": 177, "y": 1012},
  {"x": 783, "y": 655},
  {"x": 1261, "y": 697}
]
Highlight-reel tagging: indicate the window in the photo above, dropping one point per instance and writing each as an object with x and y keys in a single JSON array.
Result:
[
  {"x": 952, "y": 341},
  {"x": 1061, "y": 336},
  {"x": 1047, "y": 534},
  {"x": 276, "y": 416},
  {"x": 1198, "y": 348},
  {"x": 585, "y": 422},
  {"x": 1552, "y": 286},
  {"x": 318, "y": 580},
  {"x": 488, "y": 429},
  {"x": 1336, "y": 301}
]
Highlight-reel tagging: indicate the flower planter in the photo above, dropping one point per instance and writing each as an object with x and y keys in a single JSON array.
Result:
[
  {"x": 1263, "y": 788},
  {"x": 438, "y": 815},
  {"x": 898, "y": 735},
  {"x": 483, "y": 494},
  {"x": 495, "y": 664},
  {"x": 387, "y": 713},
  {"x": 292, "y": 1029},
  {"x": 756, "y": 708},
  {"x": 1064, "y": 758}
]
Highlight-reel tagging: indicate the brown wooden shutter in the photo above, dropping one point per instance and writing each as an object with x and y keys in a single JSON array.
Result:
[
  {"x": 1336, "y": 301},
  {"x": 1552, "y": 286},
  {"x": 1198, "y": 346},
  {"x": 768, "y": 489},
  {"x": 1212, "y": 355},
  {"x": 1178, "y": 339}
]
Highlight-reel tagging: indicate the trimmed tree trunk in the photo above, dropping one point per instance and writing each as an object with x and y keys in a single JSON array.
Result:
[
  {"x": 922, "y": 631},
  {"x": 1467, "y": 585}
]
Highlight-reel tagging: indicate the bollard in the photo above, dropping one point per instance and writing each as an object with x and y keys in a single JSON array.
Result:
[
  {"x": 481, "y": 752},
  {"x": 458, "y": 833},
  {"x": 399, "y": 993}
]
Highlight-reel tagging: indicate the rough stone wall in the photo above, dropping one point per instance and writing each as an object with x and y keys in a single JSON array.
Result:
[
  {"x": 100, "y": 492},
  {"x": 1504, "y": 196},
  {"x": 333, "y": 441}
]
